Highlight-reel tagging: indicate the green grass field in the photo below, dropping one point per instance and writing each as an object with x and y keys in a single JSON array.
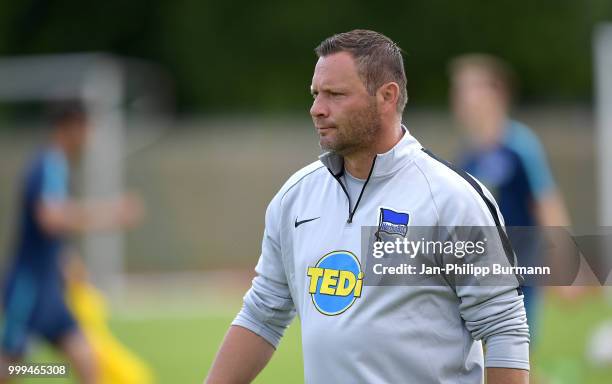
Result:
[{"x": 180, "y": 348}]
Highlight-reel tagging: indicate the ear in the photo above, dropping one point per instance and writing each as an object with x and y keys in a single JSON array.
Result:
[{"x": 387, "y": 96}]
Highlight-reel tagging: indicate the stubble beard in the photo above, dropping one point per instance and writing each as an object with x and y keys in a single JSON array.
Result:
[{"x": 358, "y": 132}]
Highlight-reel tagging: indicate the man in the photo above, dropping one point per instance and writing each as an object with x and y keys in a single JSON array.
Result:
[
  {"x": 375, "y": 334},
  {"x": 34, "y": 292},
  {"x": 505, "y": 155}
]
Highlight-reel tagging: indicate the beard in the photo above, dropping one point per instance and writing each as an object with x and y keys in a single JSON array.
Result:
[{"x": 357, "y": 132}]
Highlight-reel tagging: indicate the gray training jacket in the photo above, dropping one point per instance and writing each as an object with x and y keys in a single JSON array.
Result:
[{"x": 380, "y": 334}]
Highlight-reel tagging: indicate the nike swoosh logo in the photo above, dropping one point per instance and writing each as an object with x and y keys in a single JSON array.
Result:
[{"x": 298, "y": 223}]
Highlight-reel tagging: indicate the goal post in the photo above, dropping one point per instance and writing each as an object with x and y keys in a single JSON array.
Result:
[
  {"x": 603, "y": 114},
  {"x": 100, "y": 81},
  {"x": 603, "y": 117}
]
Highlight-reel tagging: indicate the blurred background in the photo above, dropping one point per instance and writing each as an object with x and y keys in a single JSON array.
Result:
[{"x": 201, "y": 107}]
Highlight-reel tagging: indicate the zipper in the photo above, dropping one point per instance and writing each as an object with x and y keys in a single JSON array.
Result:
[{"x": 348, "y": 198}]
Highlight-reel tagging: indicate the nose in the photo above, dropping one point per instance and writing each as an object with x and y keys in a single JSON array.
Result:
[{"x": 318, "y": 108}]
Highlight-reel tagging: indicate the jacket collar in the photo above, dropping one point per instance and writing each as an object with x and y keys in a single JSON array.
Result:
[{"x": 386, "y": 163}]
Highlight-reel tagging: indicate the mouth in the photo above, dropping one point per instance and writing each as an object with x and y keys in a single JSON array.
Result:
[{"x": 323, "y": 129}]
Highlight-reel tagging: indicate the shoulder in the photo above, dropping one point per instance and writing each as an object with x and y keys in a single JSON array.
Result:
[
  {"x": 530, "y": 153},
  {"x": 459, "y": 198},
  {"x": 443, "y": 176},
  {"x": 522, "y": 140},
  {"x": 53, "y": 161},
  {"x": 304, "y": 178},
  {"x": 44, "y": 164}
]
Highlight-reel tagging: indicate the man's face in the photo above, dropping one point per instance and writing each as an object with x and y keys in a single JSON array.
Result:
[
  {"x": 343, "y": 112},
  {"x": 76, "y": 133},
  {"x": 475, "y": 96}
]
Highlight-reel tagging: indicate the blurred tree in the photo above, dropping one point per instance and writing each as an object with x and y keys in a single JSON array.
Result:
[{"x": 258, "y": 56}]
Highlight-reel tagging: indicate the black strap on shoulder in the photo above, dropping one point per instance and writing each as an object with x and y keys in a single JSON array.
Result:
[{"x": 508, "y": 250}]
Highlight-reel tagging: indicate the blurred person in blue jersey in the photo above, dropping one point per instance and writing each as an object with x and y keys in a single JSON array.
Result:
[
  {"x": 504, "y": 154},
  {"x": 33, "y": 299}
]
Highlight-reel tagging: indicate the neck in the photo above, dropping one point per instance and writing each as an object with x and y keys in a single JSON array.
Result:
[
  {"x": 359, "y": 163},
  {"x": 60, "y": 144},
  {"x": 490, "y": 130}
]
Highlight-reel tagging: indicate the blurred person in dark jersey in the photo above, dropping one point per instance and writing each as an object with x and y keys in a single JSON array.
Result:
[
  {"x": 33, "y": 297},
  {"x": 504, "y": 154}
]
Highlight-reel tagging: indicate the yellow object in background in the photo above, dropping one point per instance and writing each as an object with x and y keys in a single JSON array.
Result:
[{"x": 116, "y": 364}]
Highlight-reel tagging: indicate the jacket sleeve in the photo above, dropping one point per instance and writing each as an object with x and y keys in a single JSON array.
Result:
[
  {"x": 491, "y": 307},
  {"x": 268, "y": 307},
  {"x": 497, "y": 316}
]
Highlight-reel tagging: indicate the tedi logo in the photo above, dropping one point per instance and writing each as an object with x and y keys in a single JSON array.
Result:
[{"x": 335, "y": 282}]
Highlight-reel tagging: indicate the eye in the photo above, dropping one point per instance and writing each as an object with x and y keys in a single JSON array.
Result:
[{"x": 336, "y": 94}]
